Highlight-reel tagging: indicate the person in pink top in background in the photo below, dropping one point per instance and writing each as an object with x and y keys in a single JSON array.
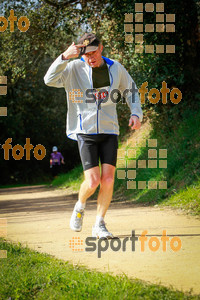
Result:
[{"x": 55, "y": 161}]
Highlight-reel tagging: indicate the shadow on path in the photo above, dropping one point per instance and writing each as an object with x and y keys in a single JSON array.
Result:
[{"x": 43, "y": 199}]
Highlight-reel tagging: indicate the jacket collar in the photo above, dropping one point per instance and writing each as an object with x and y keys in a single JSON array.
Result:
[{"x": 107, "y": 60}]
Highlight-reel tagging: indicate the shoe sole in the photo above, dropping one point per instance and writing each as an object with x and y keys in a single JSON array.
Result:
[
  {"x": 74, "y": 229},
  {"x": 103, "y": 238}
]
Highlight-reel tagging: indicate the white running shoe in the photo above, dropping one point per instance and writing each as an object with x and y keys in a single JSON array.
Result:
[
  {"x": 76, "y": 220},
  {"x": 101, "y": 232}
]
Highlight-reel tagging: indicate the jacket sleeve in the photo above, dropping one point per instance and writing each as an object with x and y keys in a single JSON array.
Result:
[
  {"x": 130, "y": 93},
  {"x": 57, "y": 73}
]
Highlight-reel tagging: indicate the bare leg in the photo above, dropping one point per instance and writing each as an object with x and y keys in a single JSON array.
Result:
[
  {"x": 106, "y": 189},
  {"x": 90, "y": 183}
]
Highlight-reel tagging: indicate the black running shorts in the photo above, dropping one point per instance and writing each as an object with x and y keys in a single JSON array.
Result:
[{"x": 95, "y": 147}]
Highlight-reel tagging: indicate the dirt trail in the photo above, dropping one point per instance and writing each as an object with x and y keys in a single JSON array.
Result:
[{"x": 39, "y": 217}]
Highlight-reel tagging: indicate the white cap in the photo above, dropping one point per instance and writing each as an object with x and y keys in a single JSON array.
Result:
[{"x": 54, "y": 149}]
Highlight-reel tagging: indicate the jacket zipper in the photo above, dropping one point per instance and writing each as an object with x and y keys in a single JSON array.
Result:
[{"x": 91, "y": 83}]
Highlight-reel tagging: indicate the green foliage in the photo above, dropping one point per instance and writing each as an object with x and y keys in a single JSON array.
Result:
[
  {"x": 27, "y": 274},
  {"x": 38, "y": 112},
  {"x": 35, "y": 111}
]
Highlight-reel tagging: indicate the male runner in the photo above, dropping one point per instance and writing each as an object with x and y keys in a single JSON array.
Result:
[{"x": 92, "y": 119}]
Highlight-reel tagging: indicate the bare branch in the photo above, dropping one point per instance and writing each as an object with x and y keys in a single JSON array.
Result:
[
  {"x": 50, "y": 3},
  {"x": 64, "y": 4}
]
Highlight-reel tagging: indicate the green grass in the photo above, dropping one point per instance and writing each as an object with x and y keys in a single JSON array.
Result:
[
  {"x": 72, "y": 179},
  {"x": 27, "y": 274},
  {"x": 189, "y": 198},
  {"x": 22, "y": 185}
]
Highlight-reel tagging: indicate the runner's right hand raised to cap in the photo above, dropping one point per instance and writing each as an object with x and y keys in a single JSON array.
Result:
[{"x": 72, "y": 52}]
